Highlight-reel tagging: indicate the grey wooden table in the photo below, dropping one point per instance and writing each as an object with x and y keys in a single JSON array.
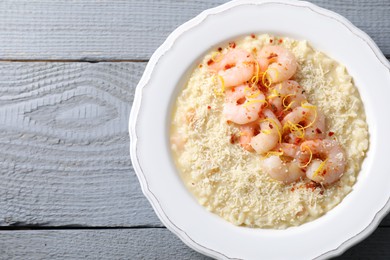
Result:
[{"x": 68, "y": 71}]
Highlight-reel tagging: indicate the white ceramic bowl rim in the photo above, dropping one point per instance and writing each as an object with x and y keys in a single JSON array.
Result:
[{"x": 164, "y": 200}]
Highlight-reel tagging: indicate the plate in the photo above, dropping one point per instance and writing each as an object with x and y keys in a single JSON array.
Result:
[{"x": 166, "y": 74}]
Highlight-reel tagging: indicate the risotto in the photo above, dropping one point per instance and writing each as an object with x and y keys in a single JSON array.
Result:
[{"x": 229, "y": 180}]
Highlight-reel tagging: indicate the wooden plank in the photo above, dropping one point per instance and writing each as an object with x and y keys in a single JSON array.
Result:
[
  {"x": 95, "y": 30},
  {"x": 136, "y": 244},
  {"x": 64, "y": 145},
  {"x": 94, "y": 244}
]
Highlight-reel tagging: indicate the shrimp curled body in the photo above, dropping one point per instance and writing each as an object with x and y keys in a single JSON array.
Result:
[
  {"x": 269, "y": 135},
  {"x": 330, "y": 163},
  {"x": 236, "y": 66},
  {"x": 286, "y": 166},
  {"x": 286, "y": 172},
  {"x": 311, "y": 120},
  {"x": 243, "y": 105},
  {"x": 281, "y": 63},
  {"x": 285, "y": 96}
]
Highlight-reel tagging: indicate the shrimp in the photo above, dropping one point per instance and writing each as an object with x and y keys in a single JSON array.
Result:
[
  {"x": 286, "y": 95},
  {"x": 246, "y": 133},
  {"x": 243, "y": 104},
  {"x": 311, "y": 122},
  {"x": 289, "y": 150},
  {"x": 236, "y": 66},
  {"x": 281, "y": 64},
  {"x": 280, "y": 170},
  {"x": 330, "y": 163},
  {"x": 269, "y": 135},
  {"x": 292, "y": 92}
]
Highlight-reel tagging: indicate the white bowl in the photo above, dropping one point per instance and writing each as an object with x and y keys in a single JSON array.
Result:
[{"x": 166, "y": 74}]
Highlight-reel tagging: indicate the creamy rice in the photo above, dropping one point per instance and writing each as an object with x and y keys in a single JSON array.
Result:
[{"x": 227, "y": 180}]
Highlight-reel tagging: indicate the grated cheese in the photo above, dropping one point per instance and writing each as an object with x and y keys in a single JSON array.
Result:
[{"x": 227, "y": 179}]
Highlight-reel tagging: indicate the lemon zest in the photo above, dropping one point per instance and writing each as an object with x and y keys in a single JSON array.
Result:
[
  {"x": 248, "y": 89},
  {"x": 255, "y": 94},
  {"x": 266, "y": 76},
  {"x": 289, "y": 106},
  {"x": 255, "y": 78},
  {"x": 254, "y": 101},
  {"x": 274, "y": 94},
  {"x": 319, "y": 169},
  {"x": 274, "y": 153},
  {"x": 266, "y": 131},
  {"x": 305, "y": 104},
  {"x": 284, "y": 99},
  {"x": 275, "y": 124},
  {"x": 296, "y": 129},
  {"x": 214, "y": 55},
  {"x": 311, "y": 156}
]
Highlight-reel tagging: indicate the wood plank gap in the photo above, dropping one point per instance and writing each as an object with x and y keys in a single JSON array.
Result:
[
  {"x": 74, "y": 60},
  {"x": 10, "y": 228}
]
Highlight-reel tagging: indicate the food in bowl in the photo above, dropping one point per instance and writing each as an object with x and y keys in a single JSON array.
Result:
[{"x": 269, "y": 132}]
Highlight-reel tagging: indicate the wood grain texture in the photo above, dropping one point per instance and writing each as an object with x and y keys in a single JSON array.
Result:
[
  {"x": 132, "y": 30},
  {"x": 94, "y": 244},
  {"x": 64, "y": 147},
  {"x": 136, "y": 244}
]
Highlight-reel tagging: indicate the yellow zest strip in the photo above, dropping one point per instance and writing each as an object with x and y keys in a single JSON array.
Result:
[
  {"x": 289, "y": 106},
  {"x": 296, "y": 129},
  {"x": 214, "y": 55},
  {"x": 266, "y": 131},
  {"x": 311, "y": 156},
  {"x": 253, "y": 91},
  {"x": 255, "y": 94},
  {"x": 248, "y": 89},
  {"x": 263, "y": 80},
  {"x": 305, "y": 104},
  {"x": 254, "y": 101},
  {"x": 274, "y": 153},
  {"x": 266, "y": 76},
  {"x": 284, "y": 100},
  {"x": 222, "y": 85},
  {"x": 274, "y": 93},
  {"x": 319, "y": 169},
  {"x": 275, "y": 124},
  {"x": 255, "y": 78}
]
